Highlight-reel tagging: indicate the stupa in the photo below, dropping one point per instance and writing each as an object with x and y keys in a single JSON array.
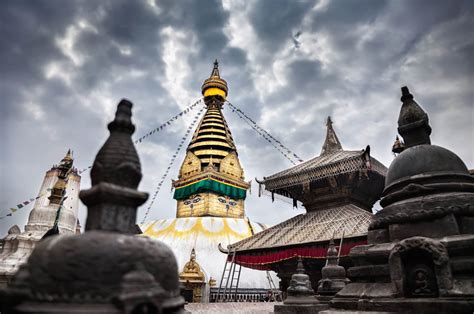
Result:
[
  {"x": 210, "y": 194},
  {"x": 55, "y": 207},
  {"x": 420, "y": 252},
  {"x": 107, "y": 269}
]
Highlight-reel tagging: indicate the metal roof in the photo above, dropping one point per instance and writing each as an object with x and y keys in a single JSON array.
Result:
[{"x": 321, "y": 225}]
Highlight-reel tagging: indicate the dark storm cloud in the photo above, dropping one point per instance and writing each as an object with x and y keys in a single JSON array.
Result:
[
  {"x": 275, "y": 21},
  {"x": 66, "y": 64}
]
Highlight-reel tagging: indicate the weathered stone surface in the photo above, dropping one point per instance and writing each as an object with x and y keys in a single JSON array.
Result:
[
  {"x": 306, "y": 309},
  {"x": 428, "y": 203},
  {"x": 369, "y": 272},
  {"x": 333, "y": 276},
  {"x": 378, "y": 236},
  {"x": 107, "y": 269},
  {"x": 300, "y": 290}
]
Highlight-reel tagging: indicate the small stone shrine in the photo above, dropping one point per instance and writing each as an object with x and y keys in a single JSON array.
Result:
[
  {"x": 107, "y": 269},
  {"x": 333, "y": 276},
  {"x": 300, "y": 295},
  {"x": 420, "y": 252}
]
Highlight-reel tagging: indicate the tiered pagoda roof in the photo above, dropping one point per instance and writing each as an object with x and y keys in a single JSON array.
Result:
[
  {"x": 311, "y": 227},
  {"x": 332, "y": 161},
  {"x": 338, "y": 189}
]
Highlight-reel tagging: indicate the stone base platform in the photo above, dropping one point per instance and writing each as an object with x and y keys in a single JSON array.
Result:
[
  {"x": 300, "y": 309},
  {"x": 404, "y": 305},
  {"x": 231, "y": 307}
]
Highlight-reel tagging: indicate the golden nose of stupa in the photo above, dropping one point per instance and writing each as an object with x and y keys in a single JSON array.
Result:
[{"x": 214, "y": 85}]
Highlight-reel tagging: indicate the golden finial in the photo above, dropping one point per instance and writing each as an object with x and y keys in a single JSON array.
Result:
[{"x": 215, "y": 85}]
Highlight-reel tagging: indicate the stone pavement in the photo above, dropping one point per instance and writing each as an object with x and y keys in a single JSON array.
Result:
[{"x": 232, "y": 307}]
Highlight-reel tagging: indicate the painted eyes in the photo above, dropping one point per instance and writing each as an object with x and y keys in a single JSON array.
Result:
[
  {"x": 194, "y": 200},
  {"x": 224, "y": 201}
]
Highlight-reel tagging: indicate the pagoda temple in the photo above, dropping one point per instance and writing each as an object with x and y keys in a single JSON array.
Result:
[
  {"x": 338, "y": 189},
  {"x": 55, "y": 209},
  {"x": 210, "y": 192}
]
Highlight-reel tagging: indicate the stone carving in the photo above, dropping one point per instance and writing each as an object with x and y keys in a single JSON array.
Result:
[
  {"x": 421, "y": 277},
  {"x": 421, "y": 214},
  {"x": 421, "y": 282}
]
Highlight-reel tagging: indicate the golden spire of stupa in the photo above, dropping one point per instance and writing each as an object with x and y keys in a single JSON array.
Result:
[{"x": 211, "y": 171}]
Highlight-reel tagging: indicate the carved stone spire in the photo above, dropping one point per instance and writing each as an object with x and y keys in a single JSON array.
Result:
[
  {"x": 113, "y": 199},
  {"x": 413, "y": 123},
  {"x": 331, "y": 143}
]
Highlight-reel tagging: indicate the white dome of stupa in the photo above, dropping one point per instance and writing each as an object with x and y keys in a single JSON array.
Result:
[{"x": 204, "y": 234}]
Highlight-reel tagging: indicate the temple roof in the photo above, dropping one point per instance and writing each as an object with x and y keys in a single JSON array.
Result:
[
  {"x": 322, "y": 225},
  {"x": 332, "y": 161}
]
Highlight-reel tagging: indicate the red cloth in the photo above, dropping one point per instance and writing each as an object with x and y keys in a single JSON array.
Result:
[{"x": 262, "y": 260}]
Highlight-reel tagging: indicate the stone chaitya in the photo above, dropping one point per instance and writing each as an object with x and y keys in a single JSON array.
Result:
[
  {"x": 300, "y": 295},
  {"x": 333, "y": 275},
  {"x": 420, "y": 252},
  {"x": 107, "y": 269}
]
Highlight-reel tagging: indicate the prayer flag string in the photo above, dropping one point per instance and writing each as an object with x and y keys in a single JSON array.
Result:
[
  {"x": 173, "y": 158},
  {"x": 188, "y": 109},
  {"x": 286, "y": 152}
]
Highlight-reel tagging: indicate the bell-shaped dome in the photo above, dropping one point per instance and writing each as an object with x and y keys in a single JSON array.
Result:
[
  {"x": 419, "y": 161},
  {"x": 423, "y": 160},
  {"x": 74, "y": 266}
]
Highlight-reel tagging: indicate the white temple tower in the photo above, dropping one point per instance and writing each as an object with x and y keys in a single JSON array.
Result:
[{"x": 47, "y": 214}]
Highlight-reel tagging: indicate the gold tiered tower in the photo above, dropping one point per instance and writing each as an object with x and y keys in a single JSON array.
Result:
[
  {"x": 211, "y": 179},
  {"x": 210, "y": 194}
]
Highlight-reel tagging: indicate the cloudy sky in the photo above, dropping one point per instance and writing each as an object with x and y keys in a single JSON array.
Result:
[{"x": 289, "y": 64}]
